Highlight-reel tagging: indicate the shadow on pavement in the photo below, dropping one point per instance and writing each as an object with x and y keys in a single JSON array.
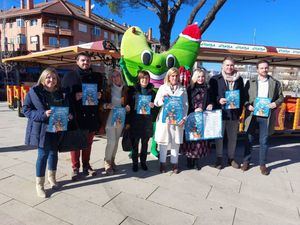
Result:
[{"x": 17, "y": 148}]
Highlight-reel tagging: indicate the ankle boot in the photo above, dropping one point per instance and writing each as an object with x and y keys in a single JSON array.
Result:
[
  {"x": 52, "y": 179},
  {"x": 162, "y": 167},
  {"x": 40, "y": 187},
  {"x": 175, "y": 168}
]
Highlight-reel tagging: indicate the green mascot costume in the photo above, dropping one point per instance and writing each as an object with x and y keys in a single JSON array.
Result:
[{"x": 136, "y": 55}]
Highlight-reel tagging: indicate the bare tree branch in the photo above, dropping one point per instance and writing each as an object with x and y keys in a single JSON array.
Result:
[
  {"x": 195, "y": 11},
  {"x": 211, "y": 15}
]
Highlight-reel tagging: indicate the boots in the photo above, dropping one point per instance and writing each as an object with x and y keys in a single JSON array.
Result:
[
  {"x": 162, "y": 167},
  {"x": 175, "y": 168},
  {"x": 40, "y": 191},
  {"x": 52, "y": 179}
]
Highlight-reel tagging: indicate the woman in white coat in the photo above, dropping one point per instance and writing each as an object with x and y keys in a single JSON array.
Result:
[{"x": 167, "y": 136}]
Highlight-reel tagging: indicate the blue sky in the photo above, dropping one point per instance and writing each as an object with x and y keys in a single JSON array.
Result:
[{"x": 275, "y": 22}]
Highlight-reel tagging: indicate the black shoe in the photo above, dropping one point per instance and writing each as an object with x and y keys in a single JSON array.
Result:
[
  {"x": 135, "y": 168},
  {"x": 189, "y": 163},
  {"x": 219, "y": 163},
  {"x": 144, "y": 166},
  {"x": 75, "y": 175},
  {"x": 89, "y": 171}
]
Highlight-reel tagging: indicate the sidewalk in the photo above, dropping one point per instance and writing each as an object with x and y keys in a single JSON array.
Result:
[{"x": 192, "y": 197}]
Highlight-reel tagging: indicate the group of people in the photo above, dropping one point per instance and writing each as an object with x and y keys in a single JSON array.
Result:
[{"x": 197, "y": 97}]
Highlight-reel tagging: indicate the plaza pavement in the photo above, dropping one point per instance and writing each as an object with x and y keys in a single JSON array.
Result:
[{"x": 208, "y": 196}]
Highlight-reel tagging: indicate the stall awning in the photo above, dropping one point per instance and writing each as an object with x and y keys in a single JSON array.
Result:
[
  {"x": 99, "y": 50},
  {"x": 211, "y": 51}
]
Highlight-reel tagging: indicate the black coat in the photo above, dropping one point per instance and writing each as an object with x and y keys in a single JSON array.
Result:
[
  {"x": 218, "y": 87},
  {"x": 86, "y": 117},
  {"x": 34, "y": 107},
  {"x": 140, "y": 125}
]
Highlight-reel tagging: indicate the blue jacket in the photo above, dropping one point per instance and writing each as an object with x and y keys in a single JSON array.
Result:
[{"x": 34, "y": 108}]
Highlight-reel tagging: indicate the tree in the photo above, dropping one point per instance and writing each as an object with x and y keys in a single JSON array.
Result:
[{"x": 166, "y": 10}]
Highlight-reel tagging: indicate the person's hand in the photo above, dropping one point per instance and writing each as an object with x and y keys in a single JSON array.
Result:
[
  {"x": 209, "y": 107},
  {"x": 151, "y": 104},
  {"x": 222, "y": 101},
  {"x": 48, "y": 112},
  {"x": 250, "y": 108},
  {"x": 272, "y": 105},
  {"x": 99, "y": 95},
  {"x": 199, "y": 110},
  {"x": 181, "y": 123},
  {"x": 127, "y": 126},
  {"x": 108, "y": 106},
  {"x": 70, "y": 116},
  {"x": 127, "y": 108},
  {"x": 78, "y": 96}
]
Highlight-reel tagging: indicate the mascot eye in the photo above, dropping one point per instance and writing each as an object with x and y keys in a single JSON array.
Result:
[
  {"x": 170, "y": 61},
  {"x": 146, "y": 57}
]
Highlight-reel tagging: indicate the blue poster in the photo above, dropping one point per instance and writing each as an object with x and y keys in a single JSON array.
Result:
[
  {"x": 58, "y": 120},
  {"x": 172, "y": 110},
  {"x": 261, "y": 107},
  {"x": 143, "y": 104},
  {"x": 194, "y": 127},
  {"x": 118, "y": 117},
  {"x": 89, "y": 94},
  {"x": 232, "y": 99}
]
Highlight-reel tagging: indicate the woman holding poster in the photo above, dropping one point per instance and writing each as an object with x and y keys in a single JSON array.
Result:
[
  {"x": 199, "y": 100},
  {"x": 169, "y": 136}
]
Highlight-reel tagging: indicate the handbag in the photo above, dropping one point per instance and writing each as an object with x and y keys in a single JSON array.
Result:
[
  {"x": 73, "y": 140},
  {"x": 126, "y": 141}
]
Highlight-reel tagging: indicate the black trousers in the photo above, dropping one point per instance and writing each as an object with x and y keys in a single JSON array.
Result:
[{"x": 135, "y": 150}]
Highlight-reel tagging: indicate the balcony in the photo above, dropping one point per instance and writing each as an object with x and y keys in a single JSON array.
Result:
[
  {"x": 66, "y": 32},
  {"x": 50, "y": 29}
]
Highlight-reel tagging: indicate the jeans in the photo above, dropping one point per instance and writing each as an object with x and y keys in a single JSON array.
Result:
[
  {"x": 262, "y": 124},
  {"x": 44, "y": 155}
]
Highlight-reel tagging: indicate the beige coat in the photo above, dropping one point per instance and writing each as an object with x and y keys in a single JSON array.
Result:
[
  {"x": 161, "y": 132},
  {"x": 275, "y": 94}
]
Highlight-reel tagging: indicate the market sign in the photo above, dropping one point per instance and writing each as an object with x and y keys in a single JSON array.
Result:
[
  {"x": 230, "y": 46},
  {"x": 288, "y": 51}
]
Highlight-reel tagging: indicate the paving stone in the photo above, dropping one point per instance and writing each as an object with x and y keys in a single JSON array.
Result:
[
  {"x": 20, "y": 189},
  {"x": 4, "y": 198},
  {"x": 243, "y": 217},
  {"x": 131, "y": 221},
  {"x": 23, "y": 214},
  {"x": 208, "y": 211},
  {"x": 251, "y": 204},
  {"x": 142, "y": 210},
  {"x": 7, "y": 162},
  {"x": 77, "y": 211}
]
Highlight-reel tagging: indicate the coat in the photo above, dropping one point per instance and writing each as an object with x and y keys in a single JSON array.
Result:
[
  {"x": 34, "y": 108},
  {"x": 275, "y": 94},
  {"x": 86, "y": 117},
  {"x": 219, "y": 87},
  {"x": 140, "y": 125},
  {"x": 192, "y": 93},
  {"x": 161, "y": 132}
]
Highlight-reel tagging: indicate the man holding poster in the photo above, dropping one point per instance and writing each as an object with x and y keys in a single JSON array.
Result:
[{"x": 257, "y": 90}]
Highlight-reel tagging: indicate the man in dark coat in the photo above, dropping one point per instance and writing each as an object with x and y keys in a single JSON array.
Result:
[
  {"x": 227, "y": 80},
  {"x": 86, "y": 116},
  {"x": 263, "y": 86}
]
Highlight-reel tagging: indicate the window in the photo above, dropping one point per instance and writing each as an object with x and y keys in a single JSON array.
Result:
[
  {"x": 82, "y": 27},
  {"x": 64, "y": 24},
  {"x": 112, "y": 37},
  {"x": 96, "y": 31},
  {"x": 20, "y": 22},
  {"x": 64, "y": 42},
  {"x": 11, "y": 40},
  {"x": 53, "y": 41},
  {"x": 21, "y": 39},
  {"x": 105, "y": 35},
  {"x": 11, "y": 25},
  {"x": 34, "y": 39},
  {"x": 33, "y": 22},
  {"x": 52, "y": 23}
]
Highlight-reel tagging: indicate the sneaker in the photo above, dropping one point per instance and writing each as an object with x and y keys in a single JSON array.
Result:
[
  {"x": 75, "y": 175},
  {"x": 264, "y": 170},
  {"x": 233, "y": 163},
  {"x": 219, "y": 163},
  {"x": 144, "y": 166},
  {"x": 89, "y": 171},
  {"x": 245, "y": 166},
  {"x": 135, "y": 168}
]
